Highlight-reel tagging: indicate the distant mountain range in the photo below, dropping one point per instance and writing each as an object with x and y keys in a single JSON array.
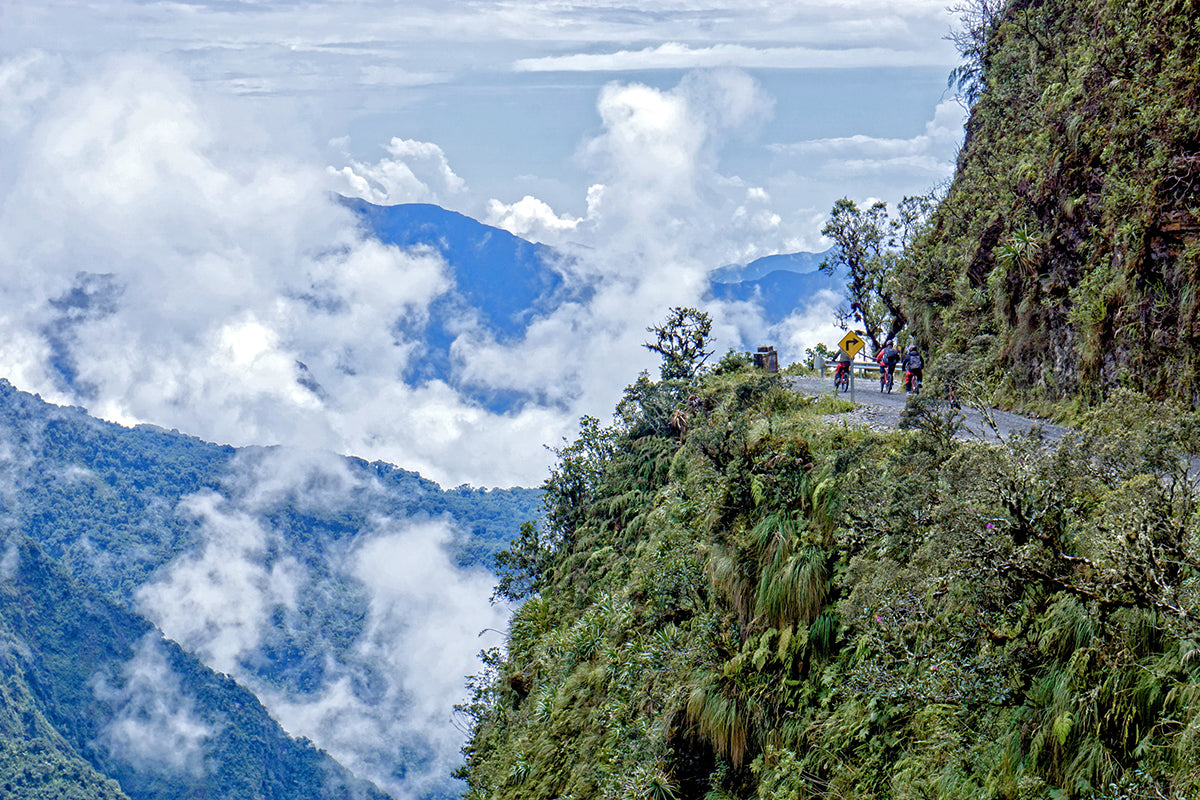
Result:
[
  {"x": 777, "y": 291},
  {"x": 761, "y": 267},
  {"x": 165, "y": 603},
  {"x": 502, "y": 282}
]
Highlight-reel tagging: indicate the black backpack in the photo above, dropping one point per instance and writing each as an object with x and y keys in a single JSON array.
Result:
[{"x": 914, "y": 361}]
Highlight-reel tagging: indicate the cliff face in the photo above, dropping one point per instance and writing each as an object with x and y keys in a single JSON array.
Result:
[{"x": 1066, "y": 255}]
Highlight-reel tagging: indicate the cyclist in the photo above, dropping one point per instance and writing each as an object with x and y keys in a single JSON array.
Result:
[
  {"x": 914, "y": 368},
  {"x": 842, "y": 369},
  {"x": 887, "y": 357}
]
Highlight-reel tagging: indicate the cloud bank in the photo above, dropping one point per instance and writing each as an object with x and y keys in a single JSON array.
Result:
[
  {"x": 930, "y": 154},
  {"x": 155, "y": 726},
  {"x": 386, "y": 623},
  {"x": 681, "y": 56},
  {"x": 165, "y": 262}
]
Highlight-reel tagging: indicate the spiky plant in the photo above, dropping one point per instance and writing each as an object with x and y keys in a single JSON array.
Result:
[
  {"x": 792, "y": 586},
  {"x": 725, "y": 716}
]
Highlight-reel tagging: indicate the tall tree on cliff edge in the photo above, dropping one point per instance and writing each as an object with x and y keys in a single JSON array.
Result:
[{"x": 869, "y": 246}]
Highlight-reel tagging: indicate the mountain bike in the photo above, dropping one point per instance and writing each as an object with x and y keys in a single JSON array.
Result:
[
  {"x": 912, "y": 381},
  {"x": 886, "y": 378},
  {"x": 841, "y": 377}
]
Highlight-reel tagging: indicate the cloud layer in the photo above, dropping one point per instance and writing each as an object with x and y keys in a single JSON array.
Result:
[
  {"x": 357, "y": 47},
  {"x": 165, "y": 263},
  {"x": 155, "y": 727},
  {"x": 386, "y": 625}
]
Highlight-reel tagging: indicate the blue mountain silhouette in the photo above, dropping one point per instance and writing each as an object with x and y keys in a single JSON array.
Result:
[
  {"x": 780, "y": 292},
  {"x": 502, "y": 282},
  {"x": 761, "y": 267}
]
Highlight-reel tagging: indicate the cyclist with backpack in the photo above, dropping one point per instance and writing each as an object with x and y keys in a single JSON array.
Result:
[
  {"x": 914, "y": 368},
  {"x": 887, "y": 357}
]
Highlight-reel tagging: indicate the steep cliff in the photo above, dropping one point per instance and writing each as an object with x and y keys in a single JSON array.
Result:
[{"x": 1065, "y": 257}]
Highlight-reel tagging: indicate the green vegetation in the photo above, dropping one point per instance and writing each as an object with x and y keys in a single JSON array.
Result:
[
  {"x": 102, "y": 509},
  {"x": 82, "y": 486},
  {"x": 1065, "y": 256},
  {"x": 682, "y": 341},
  {"x": 758, "y": 604},
  {"x": 871, "y": 249},
  {"x": 36, "y": 769}
]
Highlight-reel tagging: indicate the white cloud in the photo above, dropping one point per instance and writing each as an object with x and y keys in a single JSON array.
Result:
[
  {"x": 422, "y": 637},
  {"x": 931, "y": 152},
  {"x": 811, "y": 325},
  {"x": 530, "y": 218},
  {"x": 416, "y": 172},
  {"x": 216, "y": 601},
  {"x": 389, "y": 75},
  {"x": 682, "y": 56},
  {"x": 155, "y": 726},
  {"x": 242, "y": 304},
  {"x": 384, "y": 699},
  {"x": 235, "y": 301},
  {"x": 10, "y": 561},
  {"x": 25, "y": 81}
]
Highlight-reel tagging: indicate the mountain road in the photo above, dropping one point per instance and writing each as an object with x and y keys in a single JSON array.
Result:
[{"x": 881, "y": 410}]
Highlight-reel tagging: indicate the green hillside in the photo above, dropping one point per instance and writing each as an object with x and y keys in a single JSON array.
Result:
[
  {"x": 1065, "y": 257},
  {"x": 106, "y": 511},
  {"x": 779, "y": 607},
  {"x": 94, "y": 701}
]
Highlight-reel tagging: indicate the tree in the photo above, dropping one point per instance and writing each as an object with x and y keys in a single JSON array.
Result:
[
  {"x": 522, "y": 567},
  {"x": 821, "y": 349},
  {"x": 979, "y": 19},
  {"x": 868, "y": 247},
  {"x": 682, "y": 341}
]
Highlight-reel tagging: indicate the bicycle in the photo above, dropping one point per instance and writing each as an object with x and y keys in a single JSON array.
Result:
[
  {"x": 912, "y": 382},
  {"x": 841, "y": 377},
  {"x": 886, "y": 379}
]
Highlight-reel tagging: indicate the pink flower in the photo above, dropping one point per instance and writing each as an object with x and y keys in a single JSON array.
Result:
[
  {"x": 879, "y": 618},
  {"x": 934, "y": 668},
  {"x": 990, "y": 526}
]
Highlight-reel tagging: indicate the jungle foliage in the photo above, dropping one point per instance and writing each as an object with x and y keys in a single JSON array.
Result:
[
  {"x": 1065, "y": 257},
  {"x": 739, "y": 599},
  {"x": 735, "y": 599}
]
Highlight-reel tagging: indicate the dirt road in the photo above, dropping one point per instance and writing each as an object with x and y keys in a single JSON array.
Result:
[{"x": 881, "y": 410}]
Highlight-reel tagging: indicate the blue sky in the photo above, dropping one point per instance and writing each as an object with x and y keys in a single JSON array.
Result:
[
  {"x": 509, "y": 90},
  {"x": 184, "y": 152}
]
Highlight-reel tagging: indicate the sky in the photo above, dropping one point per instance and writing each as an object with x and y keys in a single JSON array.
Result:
[
  {"x": 171, "y": 251},
  {"x": 166, "y": 171}
]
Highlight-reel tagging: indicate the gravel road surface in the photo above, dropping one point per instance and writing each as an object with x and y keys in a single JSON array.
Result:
[{"x": 881, "y": 411}]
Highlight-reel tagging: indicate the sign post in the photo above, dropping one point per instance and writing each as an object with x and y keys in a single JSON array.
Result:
[{"x": 851, "y": 343}]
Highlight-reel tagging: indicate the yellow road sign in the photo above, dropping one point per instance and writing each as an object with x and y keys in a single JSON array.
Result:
[{"x": 852, "y": 343}]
